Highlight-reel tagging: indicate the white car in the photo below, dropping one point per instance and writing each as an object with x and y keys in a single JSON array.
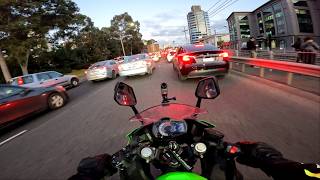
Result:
[
  {"x": 170, "y": 56},
  {"x": 138, "y": 64},
  {"x": 103, "y": 70},
  {"x": 45, "y": 79}
]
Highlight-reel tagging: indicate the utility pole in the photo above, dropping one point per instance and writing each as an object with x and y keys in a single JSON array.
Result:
[
  {"x": 185, "y": 33},
  {"x": 215, "y": 37}
]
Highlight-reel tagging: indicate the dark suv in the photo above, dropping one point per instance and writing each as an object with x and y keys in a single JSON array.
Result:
[{"x": 200, "y": 60}]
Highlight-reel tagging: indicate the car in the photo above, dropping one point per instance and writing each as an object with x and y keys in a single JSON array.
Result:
[
  {"x": 138, "y": 64},
  {"x": 17, "y": 102},
  {"x": 103, "y": 70},
  {"x": 155, "y": 56},
  {"x": 170, "y": 56},
  {"x": 45, "y": 79},
  {"x": 200, "y": 60}
]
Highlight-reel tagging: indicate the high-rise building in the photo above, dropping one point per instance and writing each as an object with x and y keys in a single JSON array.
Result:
[
  {"x": 198, "y": 23},
  {"x": 276, "y": 24}
]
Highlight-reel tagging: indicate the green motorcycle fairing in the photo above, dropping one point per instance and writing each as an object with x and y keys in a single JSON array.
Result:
[{"x": 181, "y": 176}]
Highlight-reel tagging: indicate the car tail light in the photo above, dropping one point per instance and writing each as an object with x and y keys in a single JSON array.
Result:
[
  {"x": 60, "y": 88},
  {"x": 224, "y": 54},
  {"x": 120, "y": 67},
  {"x": 187, "y": 59},
  {"x": 20, "y": 81}
]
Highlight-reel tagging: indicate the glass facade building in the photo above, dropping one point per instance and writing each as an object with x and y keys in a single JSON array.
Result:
[
  {"x": 277, "y": 23},
  {"x": 198, "y": 24}
]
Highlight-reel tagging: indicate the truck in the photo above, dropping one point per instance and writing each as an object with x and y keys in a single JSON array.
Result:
[
  {"x": 154, "y": 51},
  {"x": 152, "y": 48}
]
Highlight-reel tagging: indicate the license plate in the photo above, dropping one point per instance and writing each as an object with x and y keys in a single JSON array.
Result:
[
  {"x": 212, "y": 59},
  {"x": 208, "y": 59}
]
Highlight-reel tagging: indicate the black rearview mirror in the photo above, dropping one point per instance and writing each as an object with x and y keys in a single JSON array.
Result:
[
  {"x": 124, "y": 95},
  {"x": 207, "y": 88}
]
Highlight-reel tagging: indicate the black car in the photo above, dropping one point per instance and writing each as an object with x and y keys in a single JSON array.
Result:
[
  {"x": 17, "y": 102},
  {"x": 200, "y": 60}
]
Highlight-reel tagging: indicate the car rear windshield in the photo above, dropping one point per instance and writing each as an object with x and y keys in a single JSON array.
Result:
[
  {"x": 22, "y": 80},
  {"x": 195, "y": 48},
  {"x": 135, "y": 57},
  {"x": 98, "y": 64}
]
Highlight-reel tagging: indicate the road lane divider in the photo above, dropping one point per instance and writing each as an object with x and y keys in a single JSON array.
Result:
[{"x": 12, "y": 137}]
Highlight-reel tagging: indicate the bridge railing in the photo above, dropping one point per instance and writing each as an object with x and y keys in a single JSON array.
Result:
[
  {"x": 280, "y": 55},
  {"x": 290, "y": 68}
]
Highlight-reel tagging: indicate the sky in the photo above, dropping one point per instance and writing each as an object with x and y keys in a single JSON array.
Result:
[{"x": 163, "y": 20}]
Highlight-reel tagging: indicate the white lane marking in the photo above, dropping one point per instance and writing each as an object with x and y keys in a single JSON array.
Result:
[{"x": 12, "y": 137}]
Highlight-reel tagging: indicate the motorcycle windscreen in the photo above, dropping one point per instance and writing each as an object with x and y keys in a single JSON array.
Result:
[
  {"x": 173, "y": 110},
  {"x": 181, "y": 176}
]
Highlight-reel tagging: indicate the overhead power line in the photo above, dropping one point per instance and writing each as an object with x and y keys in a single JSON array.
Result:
[
  {"x": 217, "y": 12},
  {"x": 220, "y": 6},
  {"x": 213, "y": 5}
]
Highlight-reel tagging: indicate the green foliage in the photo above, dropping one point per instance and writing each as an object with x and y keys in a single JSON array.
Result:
[{"x": 52, "y": 35}]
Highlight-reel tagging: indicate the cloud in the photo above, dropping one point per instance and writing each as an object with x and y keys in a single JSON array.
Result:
[
  {"x": 165, "y": 27},
  {"x": 220, "y": 25}
]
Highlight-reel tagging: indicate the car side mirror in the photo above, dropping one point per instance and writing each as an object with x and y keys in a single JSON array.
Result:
[
  {"x": 124, "y": 96},
  {"x": 208, "y": 88}
]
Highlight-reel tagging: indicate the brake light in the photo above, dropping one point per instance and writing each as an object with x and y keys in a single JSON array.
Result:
[
  {"x": 187, "y": 58},
  {"x": 120, "y": 67},
  {"x": 199, "y": 45},
  {"x": 224, "y": 54},
  {"x": 20, "y": 81}
]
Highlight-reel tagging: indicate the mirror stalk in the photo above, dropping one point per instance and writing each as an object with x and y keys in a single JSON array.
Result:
[
  {"x": 134, "y": 109},
  {"x": 198, "y": 103}
]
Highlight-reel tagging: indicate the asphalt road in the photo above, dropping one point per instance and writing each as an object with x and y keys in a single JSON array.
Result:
[{"x": 248, "y": 108}]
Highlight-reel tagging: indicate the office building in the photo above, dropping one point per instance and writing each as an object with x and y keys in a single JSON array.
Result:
[
  {"x": 198, "y": 24},
  {"x": 276, "y": 24}
]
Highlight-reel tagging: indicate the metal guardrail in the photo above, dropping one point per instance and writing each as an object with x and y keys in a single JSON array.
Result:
[
  {"x": 289, "y": 67},
  {"x": 280, "y": 55}
]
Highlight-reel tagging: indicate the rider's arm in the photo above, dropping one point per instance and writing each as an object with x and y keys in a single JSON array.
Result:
[
  {"x": 271, "y": 161},
  {"x": 94, "y": 168}
]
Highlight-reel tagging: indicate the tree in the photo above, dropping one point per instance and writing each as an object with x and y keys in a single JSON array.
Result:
[
  {"x": 123, "y": 26},
  {"x": 24, "y": 26},
  {"x": 150, "y": 41}
]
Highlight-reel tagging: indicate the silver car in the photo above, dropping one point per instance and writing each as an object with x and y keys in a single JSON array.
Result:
[
  {"x": 138, "y": 64},
  {"x": 45, "y": 79},
  {"x": 103, "y": 70}
]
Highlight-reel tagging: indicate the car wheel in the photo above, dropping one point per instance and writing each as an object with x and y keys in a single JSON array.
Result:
[
  {"x": 181, "y": 77},
  {"x": 74, "y": 82},
  {"x": 114, "y": 75},
  {"x": 56, "y": 101}
]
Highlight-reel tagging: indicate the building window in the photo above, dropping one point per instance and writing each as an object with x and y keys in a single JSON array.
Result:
[
  {"x": 244, "y": 27},
  {"x": 269, "y": 21},
  {"x": 280, "y": 20},
  {"x": 260, "y": 23},
  {"x": 304, "y": 20},
  {"x": 302, "y": 3}
]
